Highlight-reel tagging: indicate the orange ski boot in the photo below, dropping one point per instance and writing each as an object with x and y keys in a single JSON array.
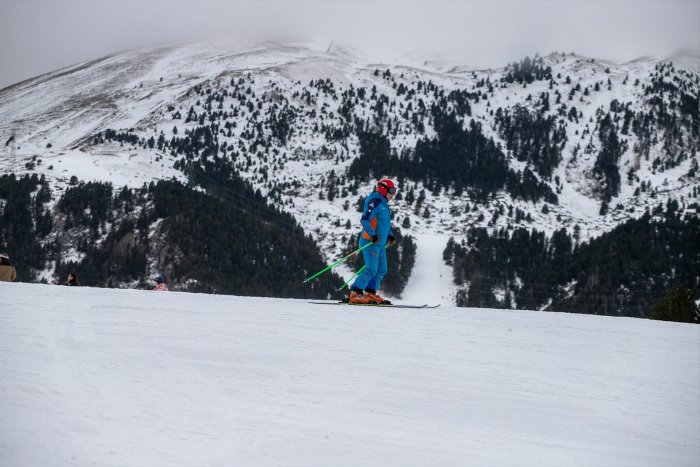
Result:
[
  {"x": 358, "y": 296},
  {"x": 373, "y": 297}
]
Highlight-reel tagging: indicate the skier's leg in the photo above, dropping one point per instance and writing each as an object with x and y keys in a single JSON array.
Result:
[
  {"x": 371, "y": 261},
  {"x": 373, "y": 284}
]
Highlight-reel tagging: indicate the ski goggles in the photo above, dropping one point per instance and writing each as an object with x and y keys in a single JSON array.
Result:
[{"x": 391, "y": 190}]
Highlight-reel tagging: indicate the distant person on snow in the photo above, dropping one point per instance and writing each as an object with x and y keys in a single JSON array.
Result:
[
  {"x": 160, "y": 284},
  {"x": 376, "y": 229},
  {"x": 7, "y": 271},
  {"x": 72, "y": 280}
]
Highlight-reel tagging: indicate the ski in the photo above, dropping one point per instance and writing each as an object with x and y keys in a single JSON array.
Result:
[{"x": 397, "y": 305}]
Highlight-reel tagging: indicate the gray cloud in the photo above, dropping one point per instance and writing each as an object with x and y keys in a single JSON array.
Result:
[{"x": 41, "y": 36}]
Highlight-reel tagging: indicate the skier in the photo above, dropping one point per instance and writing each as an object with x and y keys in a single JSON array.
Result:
[
  {"x": 160, "y": 284},
  {"x": 376, "y": 229},
  {"x": 7, "y": 270}
]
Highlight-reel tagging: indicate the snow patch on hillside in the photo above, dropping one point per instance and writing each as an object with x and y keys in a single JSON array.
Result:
[{"x": 431, "y": 280}]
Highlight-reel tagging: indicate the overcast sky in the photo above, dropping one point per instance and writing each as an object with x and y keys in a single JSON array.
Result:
[{"x": 41, "y": 36}]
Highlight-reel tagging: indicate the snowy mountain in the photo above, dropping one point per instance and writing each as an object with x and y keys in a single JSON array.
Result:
[
  {"x": 133, "y": 378},
  {"x": 586, "y": 144}
]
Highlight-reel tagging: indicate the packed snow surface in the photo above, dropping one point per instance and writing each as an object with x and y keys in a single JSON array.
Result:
[{"x": 114, "y": 377}]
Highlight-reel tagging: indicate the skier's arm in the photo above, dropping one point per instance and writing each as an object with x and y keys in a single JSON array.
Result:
[{"x": 367, "y": 217}]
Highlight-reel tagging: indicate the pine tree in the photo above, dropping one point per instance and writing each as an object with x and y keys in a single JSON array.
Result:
[{"x": 678, "y": 305}]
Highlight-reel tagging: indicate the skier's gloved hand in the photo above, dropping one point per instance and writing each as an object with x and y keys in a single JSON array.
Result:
[
  {"x": 391, "y": 240},
  {"x": 375, "y": 238}
]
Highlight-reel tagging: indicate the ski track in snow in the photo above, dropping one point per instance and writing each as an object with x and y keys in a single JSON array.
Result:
[
  {"x": 115, "y": 377},
  {"x": 431, "y": 279}
]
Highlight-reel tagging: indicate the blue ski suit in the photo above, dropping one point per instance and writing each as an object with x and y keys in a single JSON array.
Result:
[{"x": 376, "y": 219}]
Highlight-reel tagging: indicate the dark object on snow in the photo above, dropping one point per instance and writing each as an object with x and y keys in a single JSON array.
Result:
[{"x": 72, "y": 280}]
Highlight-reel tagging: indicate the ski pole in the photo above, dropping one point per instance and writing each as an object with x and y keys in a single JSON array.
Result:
[
  {"x": 357, "y": 273},
  {"x": 341, "y": 260},
  {"x": 353, "y": 276}
]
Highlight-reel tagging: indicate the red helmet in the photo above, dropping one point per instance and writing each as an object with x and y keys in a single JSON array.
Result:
[{"x": 386, "y": 185}]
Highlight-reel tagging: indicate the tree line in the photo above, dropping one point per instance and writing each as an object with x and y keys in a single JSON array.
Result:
[
  {"x": 229, "y": 241},
  {"x": 624, "y": 272}
]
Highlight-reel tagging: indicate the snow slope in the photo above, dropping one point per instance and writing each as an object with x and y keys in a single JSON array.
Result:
[
  {"x": 431, "y": 281},
  {"x": 115, "y": 377}
]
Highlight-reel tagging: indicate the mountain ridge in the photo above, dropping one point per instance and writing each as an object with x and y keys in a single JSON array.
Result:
[{"x": 292, "y": 143}]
